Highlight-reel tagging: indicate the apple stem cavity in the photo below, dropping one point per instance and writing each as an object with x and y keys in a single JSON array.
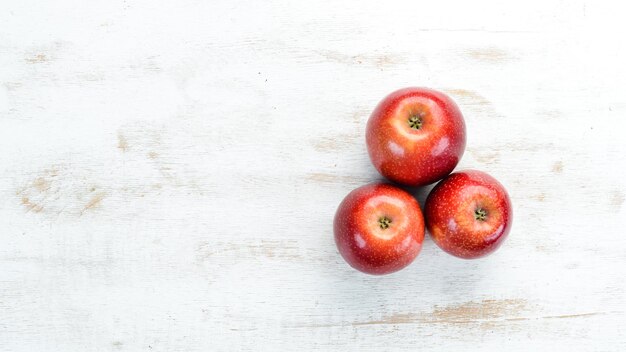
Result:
[
  {"x": 415, "y": 121},
  {"x": 384, "y": 222},
  {"x": 480, "y": 214}
]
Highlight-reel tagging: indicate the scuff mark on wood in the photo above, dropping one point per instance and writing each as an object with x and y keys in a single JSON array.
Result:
[
  {"x": 570, "y": 316},
  {"x": 370, "y": 59},
  {"x": 36, "y": 193},
  {"x": 94, "y": 201},
  {"x": 148, "y": 141},
  {"x": 60, "y": 261},
  {"x": 54, "y": 192},
  {"x": 344, "y": 140},
  {"x": 335, "y": 143},
  {"x": 275, "y": 249},
  {"x": 542, "y": 248},
  {"x": 320, "y": 177},
  {"x": 11, "y": 86},
  {"x": 489, "y": 310},
  {"x": 393, "y": 319},
  {"x": 525, "y": 146},
  {"x": 539, "y": 197},
  {"x": 485, "y": 157},
  {"x": 41, "y": 184},
  {"x": 486, "y": 314},
  {"x": 468, "y": 97},
  {"x": 399, "y": 319},
  {"x": 44, "y": 53},
  {"x": 617, "y": 199},
  {"x": 37, "y": 58},
  {"x": 30, "y": 206},
  {"x": 482, "y": 310},
  {"x": 90, "y": 77},
  {"x": 557, "y": 168},
  {"x": 489, "y": 55},
  {"x": 122, "y": 142},
  {"x": 361, "y": 115}
]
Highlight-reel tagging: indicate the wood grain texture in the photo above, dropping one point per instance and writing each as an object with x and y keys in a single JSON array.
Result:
[{"x": 169, "y": 173}]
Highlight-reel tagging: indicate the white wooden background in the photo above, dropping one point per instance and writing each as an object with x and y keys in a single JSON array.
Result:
[{"x": 169, "y": 173}]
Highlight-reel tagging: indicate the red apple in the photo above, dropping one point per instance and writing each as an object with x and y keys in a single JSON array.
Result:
[
  {"x": 416, "y": 136},
  {"x": 468, "y": 214},
  {"x": 379, "y": 228}
]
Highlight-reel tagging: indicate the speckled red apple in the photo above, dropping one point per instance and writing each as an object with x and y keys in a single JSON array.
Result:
[
  {"x": 415, "y": 136},
  {"x": 379, "y": 228},
  {"x": 468, "y": 214}
]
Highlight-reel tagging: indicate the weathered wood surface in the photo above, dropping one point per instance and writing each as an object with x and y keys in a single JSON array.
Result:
[{"x": 169, "y": 172}]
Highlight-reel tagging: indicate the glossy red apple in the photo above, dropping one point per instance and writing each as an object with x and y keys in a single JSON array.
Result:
[
  {"x": 416, "y": 136},
  {"x": 468, "y": 214},
  {"x": 379, "y": 228}
]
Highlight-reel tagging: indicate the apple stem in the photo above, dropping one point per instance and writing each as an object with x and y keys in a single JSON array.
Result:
[
  {"x": 480, "y": 214},
  {"x": 415, "y": 121},
  {"x": 384, "y": 222}
]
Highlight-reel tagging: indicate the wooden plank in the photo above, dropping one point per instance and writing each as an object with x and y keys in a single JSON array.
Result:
[{"x": 169, "y": 174}]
